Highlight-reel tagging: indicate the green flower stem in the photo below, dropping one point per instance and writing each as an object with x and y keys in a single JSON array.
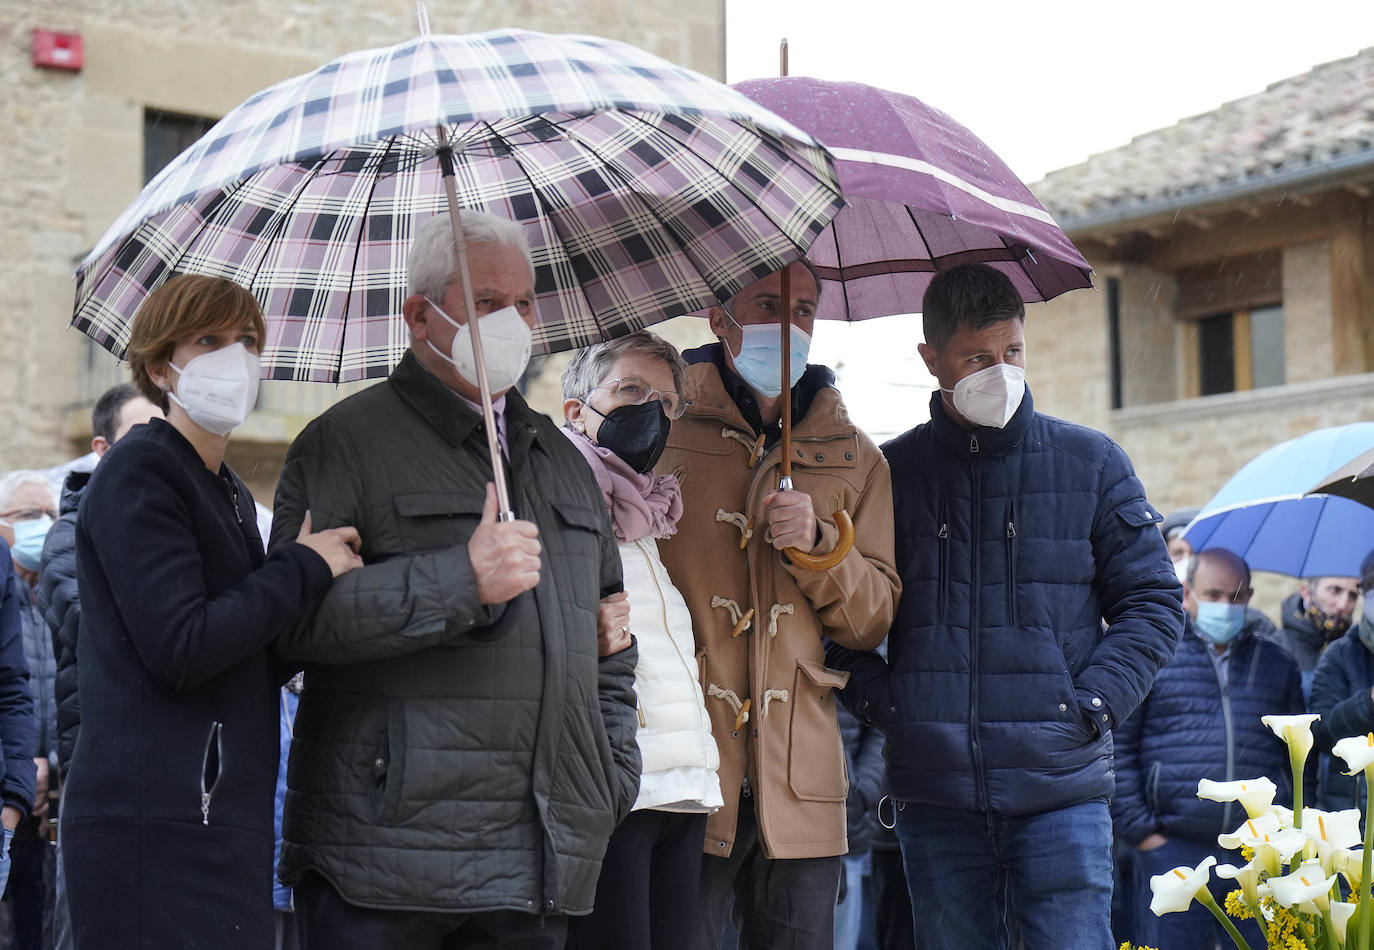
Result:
[
  {"x": 1364, "y": 901},
  {"x": 1205, "y": 898},
  {"x": 1296, "y": 762}
]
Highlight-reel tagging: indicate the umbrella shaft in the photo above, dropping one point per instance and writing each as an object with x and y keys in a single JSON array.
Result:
[
  {"x": 498, "y": 468},
  {"x": 786, "y": 395}
]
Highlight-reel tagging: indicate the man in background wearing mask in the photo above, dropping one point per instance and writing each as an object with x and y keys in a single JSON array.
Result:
[
  {"x": 774, "y": 849},
  {"x": 1317, "y": 613},
  {"x": 1202, "y": 720},
  {"x": 1038, "y": 602},
  {"x": 462, "y": 749},
  {"x": 27, "y": 509}
]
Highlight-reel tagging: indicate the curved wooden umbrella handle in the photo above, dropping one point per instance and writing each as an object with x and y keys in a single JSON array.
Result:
[{"x": 824, "y": 562}]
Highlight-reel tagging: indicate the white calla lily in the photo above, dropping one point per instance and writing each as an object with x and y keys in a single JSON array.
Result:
[
  {"x": 1340, "y": 914},
  {"x": 1247, "y": 876},
  {"x": 1347, "y": 862},
  {"x": 1274, "y": 844},
  {"x": 1332, "y": 831},
  {"x": 1305, "y": 888},
  {"x": 1255, "y": 795},
  {"x": 1294, "y": 730},
  {"x": 1174, "y": 891},
  {"x": 1358, "y": 752}
]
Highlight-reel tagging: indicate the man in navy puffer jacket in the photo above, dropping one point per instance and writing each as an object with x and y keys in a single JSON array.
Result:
[
  {"x": 1018, "y": 535},
  {"x": 1202, "y": 720}
]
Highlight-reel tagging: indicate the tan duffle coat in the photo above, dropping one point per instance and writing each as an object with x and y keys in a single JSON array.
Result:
[{"x": 758, "y": 619}]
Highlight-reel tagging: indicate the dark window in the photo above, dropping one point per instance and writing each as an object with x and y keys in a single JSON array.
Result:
[
  {"x": 1216, "y": 354},
  {"x": 166, "y": 135},
  {"x": 1114, "y": 338}
]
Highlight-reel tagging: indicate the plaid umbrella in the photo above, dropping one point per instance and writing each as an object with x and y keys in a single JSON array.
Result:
[
  {"x": 645, "y": 190},
  {"x": 922, "y": 193}
]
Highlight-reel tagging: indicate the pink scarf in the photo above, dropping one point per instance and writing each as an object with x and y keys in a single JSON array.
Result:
[{"x": 641, "y": 506}]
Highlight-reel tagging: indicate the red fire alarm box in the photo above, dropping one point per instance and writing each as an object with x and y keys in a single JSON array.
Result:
[{"x": 58, "y": 50}]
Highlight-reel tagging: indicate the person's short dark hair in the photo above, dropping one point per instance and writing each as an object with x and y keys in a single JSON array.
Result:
[
  {"x": 1176, "y": 521},
  {"x": 969, "y": 295},
  {"x": 105, "y": 415}
]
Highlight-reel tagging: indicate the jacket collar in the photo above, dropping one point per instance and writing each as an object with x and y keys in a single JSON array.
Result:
[
  {"x": 446, "y": 412},
  {"x": 72, "y": 488},
  {"x": 984, "y": 440},
  {"x": 813, "y": 379}
]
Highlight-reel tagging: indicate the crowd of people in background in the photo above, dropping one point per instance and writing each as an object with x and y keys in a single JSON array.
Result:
[{"x": 624, "y": 713}]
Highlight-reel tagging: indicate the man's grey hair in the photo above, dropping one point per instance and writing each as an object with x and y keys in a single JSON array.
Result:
[
  {"x": 433, "y": 261},
  {"x": 16, "y": 480},
  {"x": 590, "y": 364}
]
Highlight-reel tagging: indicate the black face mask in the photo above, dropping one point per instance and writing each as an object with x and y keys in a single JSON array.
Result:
[{"x": 636, "y": 434}]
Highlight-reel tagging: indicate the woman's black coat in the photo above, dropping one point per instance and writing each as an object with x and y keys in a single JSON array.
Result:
[{"x": 167, "y": 818}]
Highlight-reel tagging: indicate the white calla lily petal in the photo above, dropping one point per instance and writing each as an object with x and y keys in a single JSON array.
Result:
[
  {"x": 1294, "y": 730},
  {"x": 1304, "y": 885},
  {"x": 1255, "y": 795},
  {"x": 1358, "y": 752},
  {"x": 1175, "y": 890},
  {"x": 1340, "y": 913}
]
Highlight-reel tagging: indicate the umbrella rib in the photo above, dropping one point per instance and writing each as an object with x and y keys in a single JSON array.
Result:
[
  {"x": 733, "y": 187},
  {"x": 626, "y": 180},
  {"x": 283, "y": 215},
  {"x": 205, "y": 223},
  {"x": 544, "y": 208},
  {"x": 1026, "y": 270},
  {"x": 920, "y": 232},
  {"x": 357, "y": 252}
]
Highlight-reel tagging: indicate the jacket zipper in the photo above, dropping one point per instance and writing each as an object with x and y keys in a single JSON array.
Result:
[
  {"x": 943, "y": 537},
  {"x": 980, "y": 781},
  {"x": 1226, "y": 723},
  {"x": 1011, "y": 564},
  {"x": 214, "y": 741}
]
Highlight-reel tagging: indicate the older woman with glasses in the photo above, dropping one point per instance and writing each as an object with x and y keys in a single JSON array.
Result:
[{"x": 619, "y": 399}]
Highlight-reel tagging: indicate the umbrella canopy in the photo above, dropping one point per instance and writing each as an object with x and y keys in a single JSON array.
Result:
[
  {"x": 1354, "y": 480},
  {"x": 1264, "y": 514},
  {"x": 922, "y": 194},
  {"x": 645, "y": 191}
]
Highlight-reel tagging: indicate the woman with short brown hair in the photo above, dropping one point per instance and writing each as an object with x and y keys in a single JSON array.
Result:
[{"x": 167, "y": 817}]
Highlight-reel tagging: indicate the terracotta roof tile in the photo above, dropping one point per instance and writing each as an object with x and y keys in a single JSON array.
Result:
[{"x": 1302, "y": 121}]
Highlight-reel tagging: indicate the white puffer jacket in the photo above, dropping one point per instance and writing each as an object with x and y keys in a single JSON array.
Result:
[{"x": 680, "y": 757}]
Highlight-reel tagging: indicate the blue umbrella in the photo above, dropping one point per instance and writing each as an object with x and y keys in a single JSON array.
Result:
[{"x": 1264, "y": 514}]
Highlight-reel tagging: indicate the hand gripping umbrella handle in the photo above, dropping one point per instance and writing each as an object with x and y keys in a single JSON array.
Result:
[{"x": 824, "y": 562}]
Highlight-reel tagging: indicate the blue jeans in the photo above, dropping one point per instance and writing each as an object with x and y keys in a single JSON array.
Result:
[
  {"x": 970, "y": 872},
  {"x": 1195, "y": 928}
]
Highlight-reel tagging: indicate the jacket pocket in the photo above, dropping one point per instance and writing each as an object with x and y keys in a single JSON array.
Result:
[
  {"x": 387, "y": 767},
  {"x": 1152, "y": 787},
  {"x": 815, "y": 755},
  {"x": 211, "y": 768},
  {"x": 428, "y": 521}
]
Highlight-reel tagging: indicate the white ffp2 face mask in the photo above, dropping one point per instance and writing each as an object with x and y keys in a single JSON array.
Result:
[
  {"x": 506, "y": 344},
  {"x": 218, "y": 389},
  {"x": 990, "y": 397}
]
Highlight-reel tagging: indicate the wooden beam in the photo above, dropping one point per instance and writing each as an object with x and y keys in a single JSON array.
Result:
[
  {"x": 1283, "y": 225},
  {"x": 1352, "y": 299},
  {"x": 1242, "y": 369}
]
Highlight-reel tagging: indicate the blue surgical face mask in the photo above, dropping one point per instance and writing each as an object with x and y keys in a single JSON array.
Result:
[
  {"x": 27, "y": 550},
  {"x": 1219, "y": 623},
  {"x": 759, "y": 360}
]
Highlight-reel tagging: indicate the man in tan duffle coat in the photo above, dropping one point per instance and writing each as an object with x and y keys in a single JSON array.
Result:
[{"x": 774, "y": 850}]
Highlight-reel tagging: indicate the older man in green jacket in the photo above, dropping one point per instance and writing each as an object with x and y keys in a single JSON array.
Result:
[{"x": 465, "y": 743}]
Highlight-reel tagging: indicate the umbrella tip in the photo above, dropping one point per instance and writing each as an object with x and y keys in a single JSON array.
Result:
[
  {"x": 782, "y": 57},
  {"x": 422, "y": 17}
]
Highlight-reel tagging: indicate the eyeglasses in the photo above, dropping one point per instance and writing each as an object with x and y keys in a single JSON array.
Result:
[
  {"x": 633, "y": 391},
  {"x": 26, "y": 514}
]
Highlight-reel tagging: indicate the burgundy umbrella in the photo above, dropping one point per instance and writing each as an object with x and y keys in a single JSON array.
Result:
[{"x": 922, "y": 194}]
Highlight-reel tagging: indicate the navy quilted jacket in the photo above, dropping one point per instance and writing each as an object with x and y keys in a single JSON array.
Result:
[
  {"x": 1340, "y": 695},
  {"x": 1192, "y": 727},
  {"x": 1014, "y": 545}
]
